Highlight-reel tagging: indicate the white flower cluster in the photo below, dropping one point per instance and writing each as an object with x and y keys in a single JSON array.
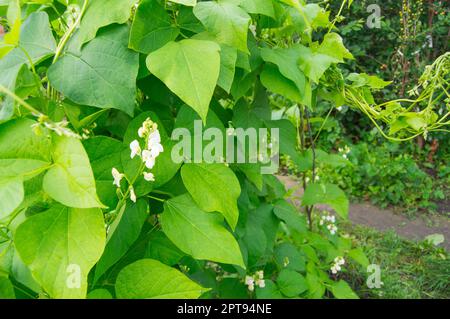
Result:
[
  {"x": 330, "y": 222},
  {"x": 344, "y": 151},
  {"x": 338, "y": 262},
  {"x": 150, "y": 133},
  {"x": 257, "y": 279}
]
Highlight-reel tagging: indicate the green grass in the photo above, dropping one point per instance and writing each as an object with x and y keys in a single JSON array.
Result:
[{"x": 408, "y": 269}]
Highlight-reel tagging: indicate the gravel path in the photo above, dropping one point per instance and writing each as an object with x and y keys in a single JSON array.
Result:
[{"x": 369, "y": 215}]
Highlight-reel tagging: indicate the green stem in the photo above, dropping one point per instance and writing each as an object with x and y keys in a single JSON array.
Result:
[{"x": 69, "y": 32}]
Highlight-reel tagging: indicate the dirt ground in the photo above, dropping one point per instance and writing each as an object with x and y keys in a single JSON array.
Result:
[{"x": 369, "y": 215}]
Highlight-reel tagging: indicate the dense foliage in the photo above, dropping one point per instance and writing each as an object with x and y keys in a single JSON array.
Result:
[{"x": 92, "y": 202}]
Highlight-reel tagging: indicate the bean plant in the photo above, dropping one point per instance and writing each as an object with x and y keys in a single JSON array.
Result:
[{"x": 92, "y": 202}]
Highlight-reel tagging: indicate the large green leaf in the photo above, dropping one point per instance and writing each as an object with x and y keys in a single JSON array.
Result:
[
  {"x": 327, "y": 194},
  {"x": 189, "y": 68},
  {"x": 314, "y": 62},
  {"x": 11, "y": 194},
  {"x": 275, "y": 82},
  {"x": 122, "y": 234},
  {"x": 70, "y": 180},
  {"x": 23, "y": 155},
  {"x": 289, "y": 214},
  {"x": 36, "y": 43},
  {"x": 6, "y": 288},
  {"x": 287, "y": 61},
  {"x": 291, "y": 283},
  {"x": 214, "y": 188},
  {"x": 341, "y": 290},
  {"x": 161, "y": 248},
  {"x": 148, "y": 278},
  {"x": 228, "y": 58},
  {"x": 104, "y": 154},
  {"x": 102, "y": 75},
  {"x": 226, "y": 21},
  {"x": 264, "y": 7},
  {"x": 199, "y": 234},
  {"x": 152, "y": 27},
  {"x": 101, "y": 13},
  {"x": 17, "y": 140},
  {"x": 59, "y": 242}
]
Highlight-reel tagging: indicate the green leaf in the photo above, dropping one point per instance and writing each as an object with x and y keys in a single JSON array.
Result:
[
  {"x": 103, "y": 74},
  {"x": 290, "y": 215},
  {"x": 333, "y": 46},
  {"x": 291, "y": 283},
  {"x": 161, "y": 248},
  {"x": 190, "y": 3},
  {"x": 13, "y": 172},
  {"x": 327, "y": 194},
  {"x": 314, "y": 62},
  {"x": 148, "y": 278},
  {"x": 23, "y": 168},
  {"x": 270, "y": 291},
  {"x": 152, "y": 27},
  {"x": 287, "y": 256},
  {"x": 70, "y": 180},
  {"x": 226, "y": 21},
  {"x": 228, "y": 58},
  {"x": 199, "y": 234},
  {"x": 372, "y": 81},
  {"x": 59, "y": 242},
  {"x": 12, "y": 194},
  {"x": 214, "y": 188},
  {"x": 341, "y": 290},
  {"x": 99, "y": 294},
  {"x": 190, "y": 69},
  {"x": 122, "y": 233},
  {"x": 360, "y": 257},
  {"x": 100, "y": 13},
  {"x": 17, "y": 140},
  {"x": 104, "y": 154},
  {"x": 287, "y": 61},
  {"x": 37, "y": 41},
  {"x": 275, "y": 82},
  {"x": 264, "y": 7},
  {"x": 6, "y": 288}
]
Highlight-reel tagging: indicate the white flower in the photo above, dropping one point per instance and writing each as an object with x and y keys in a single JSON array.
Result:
[
  {"x": 250, "y": 282},
  {"x": 117, "y": 177},
  {"x": 149, "y": 177},
  {"x": 156, "y": 149},
  {"x": 142, "y": 131},
  {"x": 339, "y": 108},
  {"x": 338, "y": 262},
  {"x": 132, "y": 195},
  {"x": 260, "y": 274},
  {"x": 148, "y": 159},
  {"x": 154, "y": 138},
  {"x": 260, "y": 283},
  {"x": 135, "y": 149}
]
